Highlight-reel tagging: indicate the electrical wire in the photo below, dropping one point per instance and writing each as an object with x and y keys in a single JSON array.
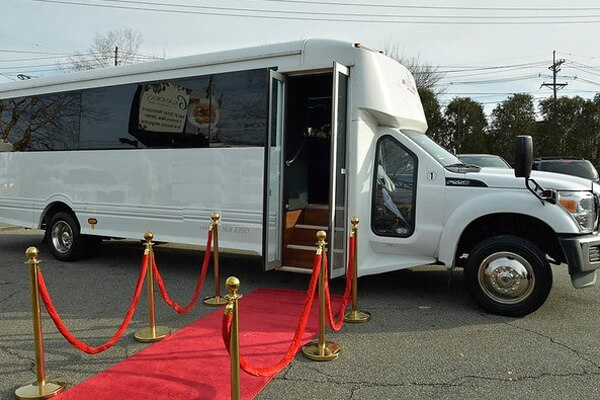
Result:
[
  {"x": 485, "y": 20},
  {"x": 436, "y": 7}
]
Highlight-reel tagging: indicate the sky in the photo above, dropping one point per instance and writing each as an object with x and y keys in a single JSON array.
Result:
[{"x": 483, "y": 50}]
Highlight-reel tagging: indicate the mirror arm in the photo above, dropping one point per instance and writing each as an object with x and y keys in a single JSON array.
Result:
[{"x": 546, "y": 194}]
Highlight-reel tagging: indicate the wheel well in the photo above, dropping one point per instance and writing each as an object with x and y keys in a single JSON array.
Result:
[
  {"x": 51, "y": 210},
  {"x": 524, "y": 226}
]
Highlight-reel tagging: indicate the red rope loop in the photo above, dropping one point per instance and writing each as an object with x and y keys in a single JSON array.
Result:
[
  {"x": 226, "y": 331},
  {"x": 299, "y": 332},
  {"x": 199, "y": 284},
  {"x": 72, "y": 339},
  {"x": 337, "y": 325}
]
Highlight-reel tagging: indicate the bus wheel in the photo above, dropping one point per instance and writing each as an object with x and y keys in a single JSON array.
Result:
[
  {"x": 63, "y": 237},
  {"x": 508, "y": 276}
]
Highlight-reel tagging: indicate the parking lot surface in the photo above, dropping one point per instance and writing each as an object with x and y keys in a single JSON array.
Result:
[{"x": 426, "y": 340}]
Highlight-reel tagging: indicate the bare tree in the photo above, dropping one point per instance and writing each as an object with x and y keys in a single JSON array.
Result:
[
  {"x": 117, "y": 47},
  {"x": 426, "y": 76}
]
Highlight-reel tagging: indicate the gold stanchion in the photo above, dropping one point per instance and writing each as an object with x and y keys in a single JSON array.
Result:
[
  {"x": 233, "y": 284},
  {"x": 216, "y": 300},
  {"x": 152, "y": 333},
  {"x": 355, "y": 316},
  {"x": 321, "y": 350},
  {"x": 41, "y": 388}
]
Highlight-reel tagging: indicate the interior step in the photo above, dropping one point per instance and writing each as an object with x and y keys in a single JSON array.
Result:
[
  {"x": 316, "y": 214},
  {"x": 306, "y": 234},
  {"x": 300, "y": 236},
  {"x": 299, "y": 256}
]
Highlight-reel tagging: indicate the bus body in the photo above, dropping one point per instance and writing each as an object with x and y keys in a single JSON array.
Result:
[{"x": 282, "y": 140}]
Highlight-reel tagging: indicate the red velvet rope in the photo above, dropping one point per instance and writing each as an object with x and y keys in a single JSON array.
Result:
[
  {"x": 295, "y": 345},
  {"x": 73, "y": 340},
  {"x": 337, "y": 325},
  {"x": 163, "y": 289},
  {"x": 226, "y": 331}
]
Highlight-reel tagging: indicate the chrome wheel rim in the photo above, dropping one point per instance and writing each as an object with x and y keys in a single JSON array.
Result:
[
  {"x": 506, "y": 277},
  {"x": 62, "y": 237}
]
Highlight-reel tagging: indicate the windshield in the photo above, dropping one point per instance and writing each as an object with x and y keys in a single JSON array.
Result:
[
  {"x": 442, "y": 155},
  {"x": 485, "y": 161}
]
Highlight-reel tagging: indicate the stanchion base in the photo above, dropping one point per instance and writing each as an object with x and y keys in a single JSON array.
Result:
[
  {"x": 145, "y": 335},
  {"x": 215, "y": 301},
  {"x": 356, "y": 317},
  {"x": 34, "y": 391},
  {"x": 331, "y": 351}
]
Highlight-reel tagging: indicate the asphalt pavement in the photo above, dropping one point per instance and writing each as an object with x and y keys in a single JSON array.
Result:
[{"x": 426, "y": 340}]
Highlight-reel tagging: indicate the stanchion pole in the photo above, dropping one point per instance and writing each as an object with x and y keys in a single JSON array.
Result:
[
  {"x": 320, "y": 349},
  {"x": 41, "y": 388},
  {"x": 355, "y": 316},
  {"x": 216, "y": 300},
  {"x": 233, "y": 284},
  {"x": 152, "y": 333}
]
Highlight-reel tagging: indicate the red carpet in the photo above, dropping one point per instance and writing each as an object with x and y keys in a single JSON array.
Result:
[{"x": 193, "y": 363}]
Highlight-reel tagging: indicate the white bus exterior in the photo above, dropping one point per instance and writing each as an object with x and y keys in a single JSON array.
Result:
[{"x": 282, "y": 140}]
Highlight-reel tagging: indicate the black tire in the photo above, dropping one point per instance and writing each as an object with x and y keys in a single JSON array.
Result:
[
  {"x": 64, "y": 238},
  {"x": 508, "y": 275}
]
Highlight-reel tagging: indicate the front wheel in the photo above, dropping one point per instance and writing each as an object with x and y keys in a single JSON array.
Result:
[{"x": 508, "y": 275}]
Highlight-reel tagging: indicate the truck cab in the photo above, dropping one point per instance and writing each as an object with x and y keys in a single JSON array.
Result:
[{"x": 504, "y": 227}]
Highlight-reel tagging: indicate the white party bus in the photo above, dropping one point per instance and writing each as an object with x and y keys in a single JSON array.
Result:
[{"x": 283, "y": 140}]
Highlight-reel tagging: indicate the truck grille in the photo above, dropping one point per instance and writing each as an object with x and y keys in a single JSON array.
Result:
[{"x": 594, "y": 254}]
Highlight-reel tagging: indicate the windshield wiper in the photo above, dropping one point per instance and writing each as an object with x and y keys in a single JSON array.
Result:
[{"x": 462, "y": 165}]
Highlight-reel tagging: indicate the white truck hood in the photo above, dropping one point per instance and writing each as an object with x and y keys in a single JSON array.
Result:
[{"x": 505, "y": 178}]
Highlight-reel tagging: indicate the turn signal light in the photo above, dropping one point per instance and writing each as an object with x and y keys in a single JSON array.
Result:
[{"x": 569, "y": 204}]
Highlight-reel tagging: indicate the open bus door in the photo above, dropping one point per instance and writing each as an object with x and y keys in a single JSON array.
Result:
[
  {"x": 337, "y": 195},
  {"x": 273, "y": 208}
]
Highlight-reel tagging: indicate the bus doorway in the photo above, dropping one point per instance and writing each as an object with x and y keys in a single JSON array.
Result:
[{"x": 312, "y": 188}]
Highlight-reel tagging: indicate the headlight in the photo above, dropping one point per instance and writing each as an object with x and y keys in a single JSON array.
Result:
[{"x": 581, "y": 205}]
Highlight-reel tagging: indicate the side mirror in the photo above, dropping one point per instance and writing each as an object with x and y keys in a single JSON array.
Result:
[{"x": 523, "y": 156}]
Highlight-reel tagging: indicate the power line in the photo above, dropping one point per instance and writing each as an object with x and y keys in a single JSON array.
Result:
[
  {"x": 362, "y": 14},
  {"x": 496, "y": 67},
  {"x": 28, "y": 52},
  {"x": 499, "y": 80},
  {"x": 345, "y": 4},
  {"x": 485, "y": 20}
]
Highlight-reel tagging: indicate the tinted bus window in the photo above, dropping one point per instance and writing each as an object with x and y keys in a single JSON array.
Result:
[
  {"x": 38, "y": 123},
  {"x": 105, "y": 118},
  {"x": 227, "y": 109},
  {"x": 220, "y": 110}
]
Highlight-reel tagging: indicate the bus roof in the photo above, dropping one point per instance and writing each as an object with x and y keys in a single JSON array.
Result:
[
  {"x": 289, "y": 55},
  {"x": 386, "y": 88}
]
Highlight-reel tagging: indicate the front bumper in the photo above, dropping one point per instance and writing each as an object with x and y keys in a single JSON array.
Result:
[{"x": 582, "y": 253}]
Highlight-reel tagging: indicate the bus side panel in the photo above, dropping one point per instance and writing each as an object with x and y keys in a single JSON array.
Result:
[
  {"x": 15, "y": 207},
  {"x": 171, "y": 192}
]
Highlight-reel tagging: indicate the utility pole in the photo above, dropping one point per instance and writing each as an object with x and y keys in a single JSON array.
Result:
[
  {"x": 117, "y": 58},
  {"x": 555, "y": 68}
]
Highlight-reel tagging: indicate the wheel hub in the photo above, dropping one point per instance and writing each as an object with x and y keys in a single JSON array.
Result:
[
  {"x": 506, "y": 277},
  {"x": 62, "y": 237}
]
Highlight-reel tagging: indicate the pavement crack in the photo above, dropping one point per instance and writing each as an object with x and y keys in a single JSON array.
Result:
[
  {"x": 558, "y": 343},
  {"x": 10, "y": 295}
]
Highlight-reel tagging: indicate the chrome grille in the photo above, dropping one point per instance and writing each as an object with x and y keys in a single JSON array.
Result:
[
  {"x": 597, "y": 224},
  {"x": 594, "y": 253}
]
